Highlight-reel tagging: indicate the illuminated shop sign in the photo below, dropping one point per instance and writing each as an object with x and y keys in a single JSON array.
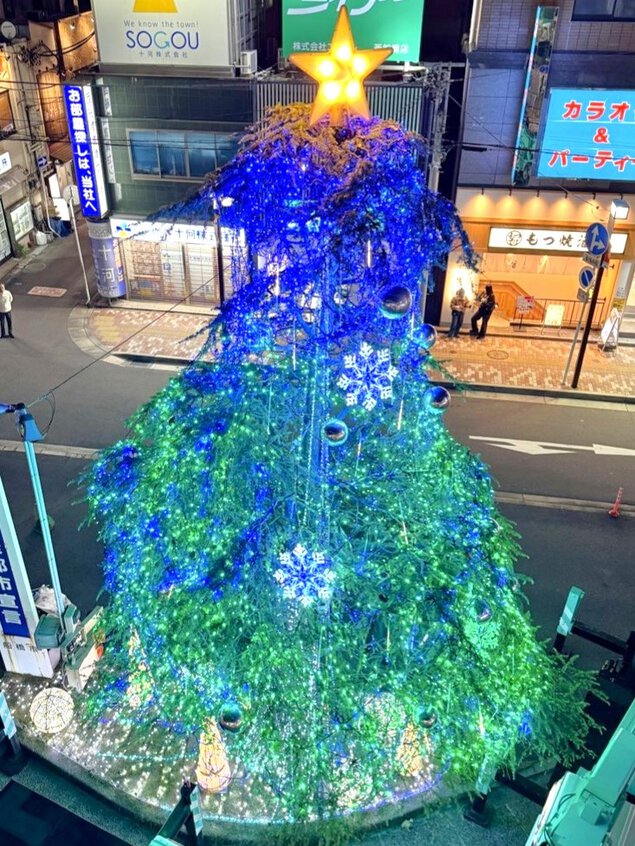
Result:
[
  {"x": 163, "y": 32},
  {"x": 145, "y": 230},
  {"x": 307, "y": 26},
  {"x": 548, "y": 240},
  {"x": 12, "y": 619},
  {"x": 82, "y": 127},
  {"x": 589, "y": 135}
]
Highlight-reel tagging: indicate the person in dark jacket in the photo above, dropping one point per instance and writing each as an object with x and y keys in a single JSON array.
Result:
[{"x": 487, "y": 305}]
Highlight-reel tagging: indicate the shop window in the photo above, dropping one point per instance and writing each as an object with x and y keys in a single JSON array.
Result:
[
  {"x": 604, "y": 10},
  {"x": 7, "y": 126},
  {"x": 172, "y": 153},
  {"x": 201, "y": 153},
  {"x": 179, "y": 155},
  {"x": 144, "y": 153}
]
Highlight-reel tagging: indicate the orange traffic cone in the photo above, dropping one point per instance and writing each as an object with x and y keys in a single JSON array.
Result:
[{"x": 615, "y": 509}]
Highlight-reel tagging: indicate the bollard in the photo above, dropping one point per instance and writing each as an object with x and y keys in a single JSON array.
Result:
[{"x": 615, "y": 509}]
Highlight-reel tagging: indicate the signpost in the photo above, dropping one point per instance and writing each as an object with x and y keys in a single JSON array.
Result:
[{"x": 598, "y": 241}]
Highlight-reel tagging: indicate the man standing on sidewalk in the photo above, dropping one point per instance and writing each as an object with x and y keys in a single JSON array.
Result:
[{"x": 6, "y": 298}]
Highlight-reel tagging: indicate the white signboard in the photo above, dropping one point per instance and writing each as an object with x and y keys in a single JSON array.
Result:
[
  {"x": 524, "y": 304},
  {"x": 548, "y": 240},
  {"x": 5, "y": 162},
  {"x": 162, "y": 32},
  {"x": 21, "y": 220},
  {"x": 554, "y": 315}
]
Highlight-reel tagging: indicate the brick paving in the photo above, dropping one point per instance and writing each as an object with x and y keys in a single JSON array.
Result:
[{"x": 503, "y": 359}]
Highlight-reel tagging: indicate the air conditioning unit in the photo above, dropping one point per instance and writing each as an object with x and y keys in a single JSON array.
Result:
[{"x": 248, "y": 62}]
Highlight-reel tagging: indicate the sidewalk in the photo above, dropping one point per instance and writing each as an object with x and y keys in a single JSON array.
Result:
[{"x": 506, "y": 360}]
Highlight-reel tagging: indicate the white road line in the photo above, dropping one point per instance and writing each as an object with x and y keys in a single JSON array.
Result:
[{"x": 549, "y": 448}]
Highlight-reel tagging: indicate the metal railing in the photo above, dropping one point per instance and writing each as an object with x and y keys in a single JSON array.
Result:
[{"x": 535, "y": 316}]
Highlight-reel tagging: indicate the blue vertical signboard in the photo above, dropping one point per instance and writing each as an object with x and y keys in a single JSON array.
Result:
[
  {"x": 12, "y": 619},
  {"x": 82, "y": 127}
]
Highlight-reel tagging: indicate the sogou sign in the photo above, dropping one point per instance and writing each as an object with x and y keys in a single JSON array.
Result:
[
  {"x": 162, "y": 32},
  {"x": 158, "y": 6}
]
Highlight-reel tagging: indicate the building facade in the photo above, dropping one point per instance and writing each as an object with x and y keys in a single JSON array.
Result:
[
  {"x": 170, "y": 105},
  {"x": 544, "y": 150}
]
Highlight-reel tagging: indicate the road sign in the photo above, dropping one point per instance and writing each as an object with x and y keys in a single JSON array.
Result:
[
  {"x": 586, "y": 277},
  {"x": 583, "y": 295},
  {"x": 42, "y": 162},
  {"x": 195, "y": 805},
  {"x": 597, "y": 239},
  {"x": 594, "y": 261},
  {"x": 6, "y": 717}
]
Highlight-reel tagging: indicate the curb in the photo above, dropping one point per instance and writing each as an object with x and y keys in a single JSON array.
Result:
[{"x": 545, "y": 393}]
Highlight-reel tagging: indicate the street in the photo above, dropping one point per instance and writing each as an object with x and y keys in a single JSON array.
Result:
[{"x": 565, "y": 546}]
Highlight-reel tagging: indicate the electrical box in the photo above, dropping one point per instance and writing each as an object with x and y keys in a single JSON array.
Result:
[{"x": 248, "y": 62}]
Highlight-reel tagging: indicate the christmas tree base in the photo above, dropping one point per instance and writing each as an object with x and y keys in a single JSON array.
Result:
[{"x": 144, "y": 775}]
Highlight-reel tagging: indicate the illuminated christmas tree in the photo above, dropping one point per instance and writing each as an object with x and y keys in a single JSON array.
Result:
[{"x": 306, "y": 571}]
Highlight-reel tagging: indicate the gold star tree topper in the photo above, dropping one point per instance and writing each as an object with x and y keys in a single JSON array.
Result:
[{"x": 341, "y": 73}]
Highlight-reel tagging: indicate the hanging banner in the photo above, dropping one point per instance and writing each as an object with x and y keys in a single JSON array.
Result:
[
  {"x": 307, "y": 26},
  {"x": 534, "y": 95}
]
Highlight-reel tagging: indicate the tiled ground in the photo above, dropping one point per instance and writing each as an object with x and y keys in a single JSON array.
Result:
[{"x": 509, "y": 360}]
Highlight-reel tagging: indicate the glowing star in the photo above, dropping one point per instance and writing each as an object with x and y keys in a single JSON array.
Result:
[{"x": 341, "y": 73}]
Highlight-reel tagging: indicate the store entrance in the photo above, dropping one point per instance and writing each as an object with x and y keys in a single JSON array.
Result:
[{"x": 532, "y": 290}]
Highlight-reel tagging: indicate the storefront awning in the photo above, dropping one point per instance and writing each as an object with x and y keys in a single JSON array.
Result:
[
  {"x": 12, "y": 178},
  {"x": 62, "y": 151}
]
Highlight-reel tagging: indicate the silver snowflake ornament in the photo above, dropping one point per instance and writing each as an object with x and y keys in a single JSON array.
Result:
[
  {"x": 367, "y": 376},
  {"x": 305, "y": 576}
]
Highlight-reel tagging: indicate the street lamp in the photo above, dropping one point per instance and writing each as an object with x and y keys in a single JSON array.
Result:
[{"x": 619, "y": 211}]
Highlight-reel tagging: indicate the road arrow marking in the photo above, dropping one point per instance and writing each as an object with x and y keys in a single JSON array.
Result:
[{"x": 547, "y": 448}]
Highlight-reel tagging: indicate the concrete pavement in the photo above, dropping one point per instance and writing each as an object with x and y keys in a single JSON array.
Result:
[
  {"x": 507, "y": 360},
  {"x": 504, "y": 360}
]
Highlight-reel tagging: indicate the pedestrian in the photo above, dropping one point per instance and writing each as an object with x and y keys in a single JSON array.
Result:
[
  {"x": 458, "y": 304},
  {"x": 6, "y": 298},
  {"x": 487, "y": 304}
]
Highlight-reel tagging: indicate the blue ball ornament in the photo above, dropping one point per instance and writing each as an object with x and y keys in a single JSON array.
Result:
[
  {"x": 425, "y": 336},
  {"x": 437, "y": 399},
  {"x": 335, "y": 432},
  {"x": 396, "y": 302}
]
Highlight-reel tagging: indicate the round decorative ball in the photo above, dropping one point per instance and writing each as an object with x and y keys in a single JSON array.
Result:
[
  {"x": 426, "y": 717},
  {"x": 396, "y": 302},
  {"x": 437, "y": 399},
  {"x": 334, "y": 432},
  {"x": 483, "y": 612},
  {"x": 231, "y": 716},
  {"x": 425, "y": 336},
  {"x": 52, "y": 710}
]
